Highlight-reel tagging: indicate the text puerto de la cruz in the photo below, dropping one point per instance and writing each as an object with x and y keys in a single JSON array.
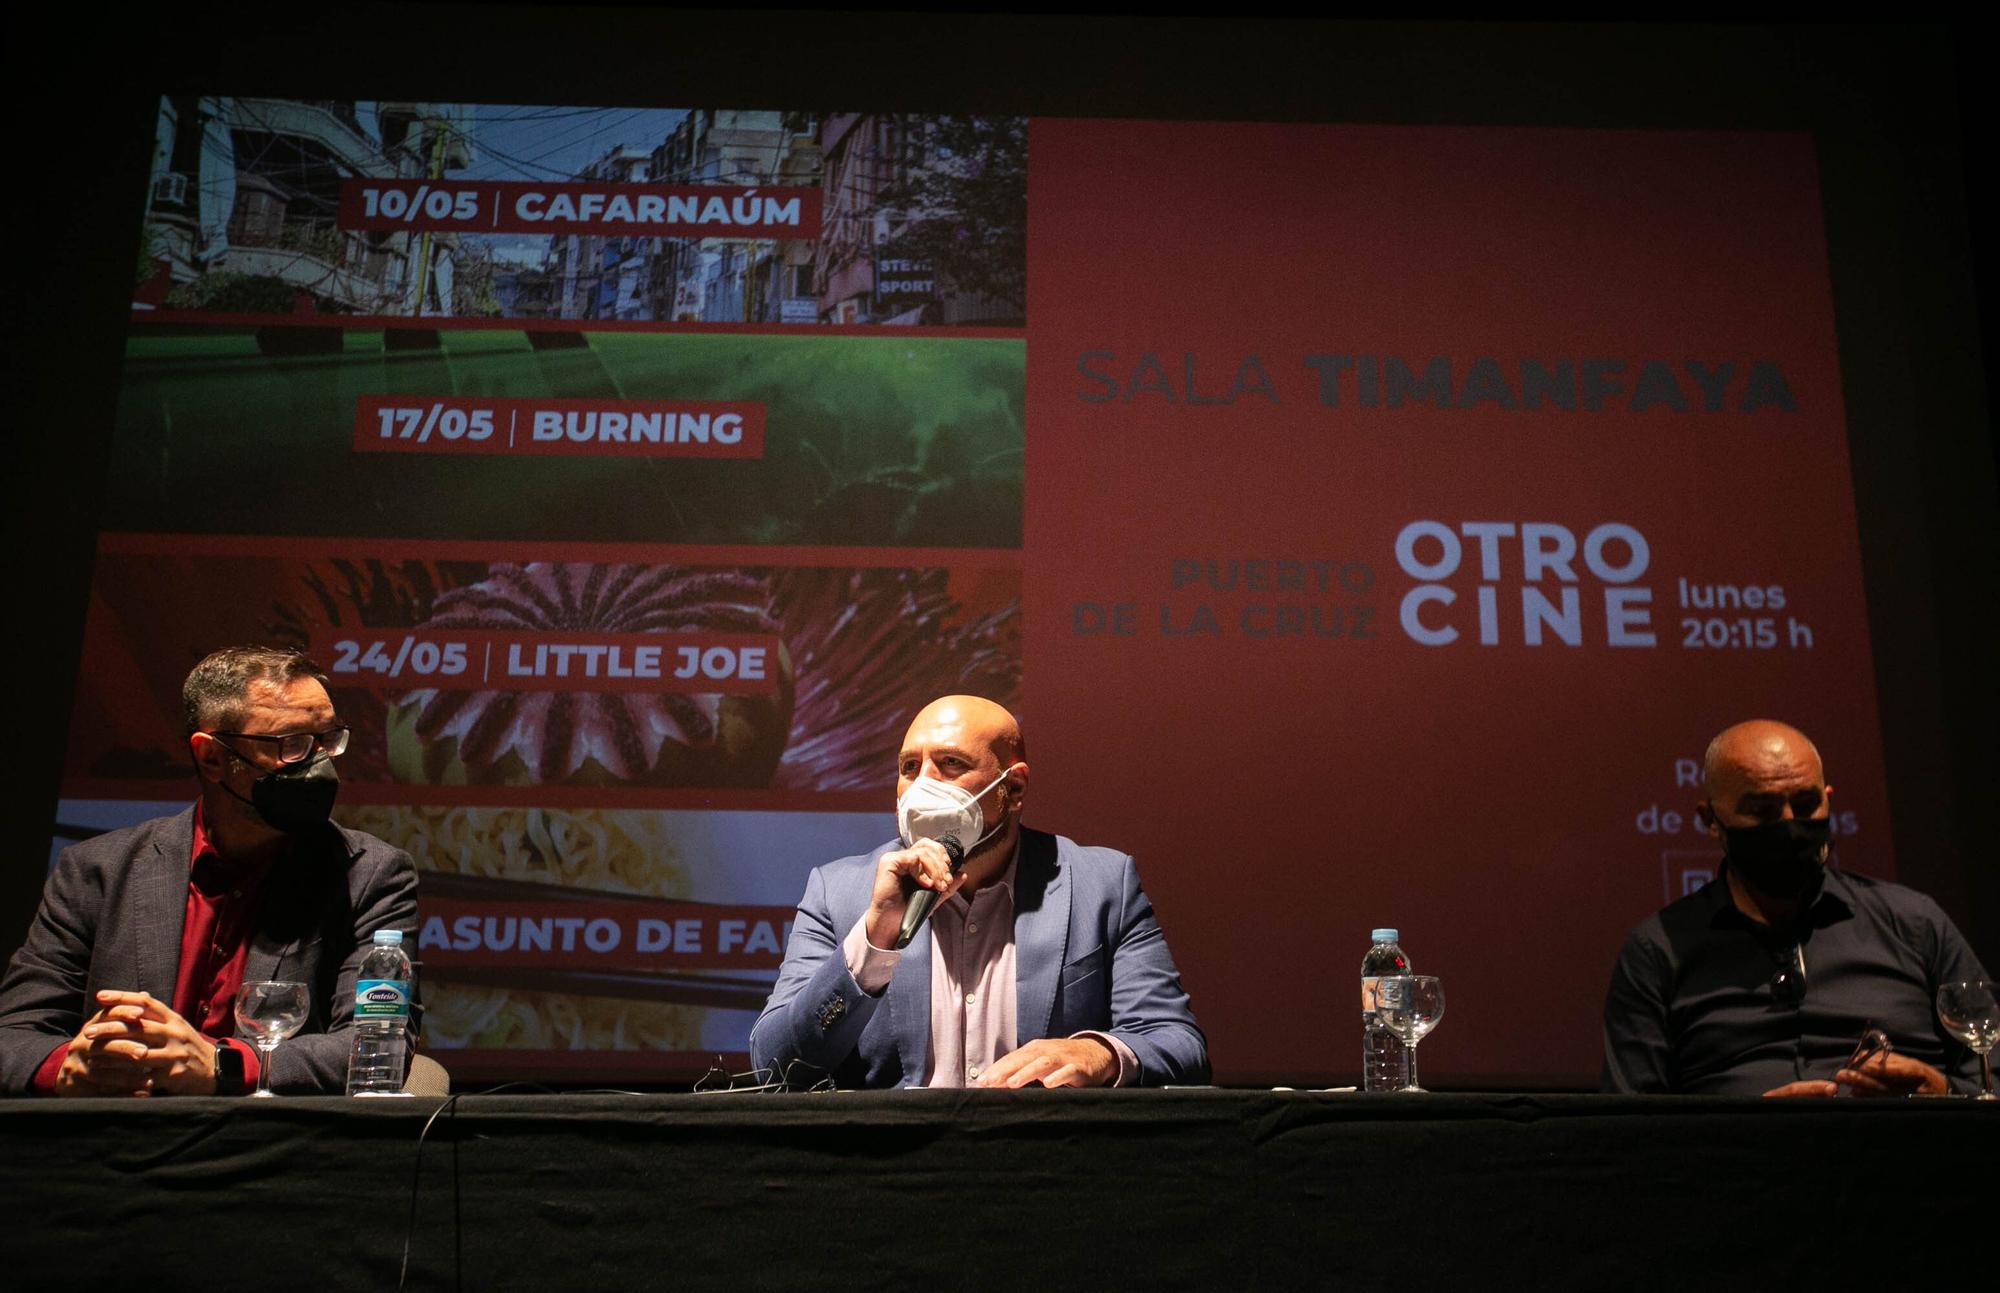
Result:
[{"x": 1464, "y": 582}]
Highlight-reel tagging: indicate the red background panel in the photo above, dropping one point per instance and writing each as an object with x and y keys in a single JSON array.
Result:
[{"x": 1284, "y": 795}]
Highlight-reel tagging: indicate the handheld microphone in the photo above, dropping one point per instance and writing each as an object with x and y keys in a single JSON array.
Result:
[{"x": 921, "y": 901}]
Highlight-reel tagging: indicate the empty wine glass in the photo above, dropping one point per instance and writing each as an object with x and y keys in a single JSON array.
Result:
[
  {"x": 1410, "y": 1005},
  {"x": 1970, "y": 1013},
  {"x": 269, "y": 1012}
]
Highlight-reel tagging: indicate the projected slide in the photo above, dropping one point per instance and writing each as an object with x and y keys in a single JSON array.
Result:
[
  {"x": 1407, "y": 509},
  {"x": 1371, "y": 525},
  {"x": 856, "y": 440},
  {"x": 282, "y": 207}
]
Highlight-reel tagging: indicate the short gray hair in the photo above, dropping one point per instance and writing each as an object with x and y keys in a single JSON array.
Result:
[{"x": 215, "y": 695}]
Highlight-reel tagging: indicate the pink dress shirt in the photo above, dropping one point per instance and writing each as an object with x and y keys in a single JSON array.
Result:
[{"x": 973, "y": 986}]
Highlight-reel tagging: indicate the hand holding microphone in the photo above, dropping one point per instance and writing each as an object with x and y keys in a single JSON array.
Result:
[
  {"x": 910, "y": 880},
  {"x": 921, "y": 901}
]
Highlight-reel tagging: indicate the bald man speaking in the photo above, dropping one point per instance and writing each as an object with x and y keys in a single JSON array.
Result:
[
  {"x": 1765, "y": 980},
  {"x": 1040, "y": 963}
]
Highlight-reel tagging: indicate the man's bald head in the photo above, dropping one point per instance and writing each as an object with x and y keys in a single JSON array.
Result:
[
  {"x": 973, "y": 722},
  {"x": 1761, "y": 771},
  {"x": 1762, "y": 744},
  {"x": 975, "y": 745}
]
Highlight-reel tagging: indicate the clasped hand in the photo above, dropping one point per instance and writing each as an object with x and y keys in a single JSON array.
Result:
[{"x": 135, "y": 1045}]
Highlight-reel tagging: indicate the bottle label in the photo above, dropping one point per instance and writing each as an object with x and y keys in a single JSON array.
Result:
[{"x": 382, "y": 999}]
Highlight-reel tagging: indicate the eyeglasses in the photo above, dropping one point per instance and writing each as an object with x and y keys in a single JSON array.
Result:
[
  {"x": 1788, "y": 985},
  {"x": 1873, "y": 1042},
  {"x": 297, "y": 747}
]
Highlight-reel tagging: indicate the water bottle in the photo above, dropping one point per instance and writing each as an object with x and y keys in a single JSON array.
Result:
[
  {"x": 381, "y": 1018},
  {"x": 1385, "y": 1064}
]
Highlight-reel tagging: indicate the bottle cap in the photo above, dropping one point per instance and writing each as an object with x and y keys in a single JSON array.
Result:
[
  {"x": 388, "y": 938},
  {"x": 1378, "y": 935}
]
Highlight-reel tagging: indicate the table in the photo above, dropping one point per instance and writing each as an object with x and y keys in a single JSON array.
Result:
[{"x": 922, "y": 1189}]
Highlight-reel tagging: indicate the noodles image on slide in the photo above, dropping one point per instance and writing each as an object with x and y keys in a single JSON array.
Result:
[
  {"x": 590, "y": 850},
  {"x": 506, "y": 986}
]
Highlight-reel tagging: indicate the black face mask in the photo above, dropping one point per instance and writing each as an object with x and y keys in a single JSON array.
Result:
[
  {"x": 294, "y": 799},
  {"x": 1781, "y": 859}
]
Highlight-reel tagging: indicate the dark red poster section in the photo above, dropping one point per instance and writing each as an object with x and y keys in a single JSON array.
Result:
[{"x": 1406, "y": 509}]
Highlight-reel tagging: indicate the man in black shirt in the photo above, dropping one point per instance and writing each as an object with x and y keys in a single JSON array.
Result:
[{"x": 1764, "y": 980}]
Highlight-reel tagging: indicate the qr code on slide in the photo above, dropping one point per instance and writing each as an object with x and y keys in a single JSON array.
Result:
[{"x": 1685, "y": 870}]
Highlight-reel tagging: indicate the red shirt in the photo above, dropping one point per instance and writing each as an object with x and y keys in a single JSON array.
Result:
[{"x": 215, "y": 939}]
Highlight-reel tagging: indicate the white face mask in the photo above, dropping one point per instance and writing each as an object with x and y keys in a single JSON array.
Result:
[{"x": 931, "y": 809}]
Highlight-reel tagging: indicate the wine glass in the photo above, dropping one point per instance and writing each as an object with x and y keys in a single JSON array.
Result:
[
  {"x": 1410, "y": 1005},
  {"x": 269, "y": 1013},
  {"x": 1969, "y": 1012}
]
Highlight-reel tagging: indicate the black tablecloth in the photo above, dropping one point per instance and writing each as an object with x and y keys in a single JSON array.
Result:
[{"x": 918, "y": 1189}]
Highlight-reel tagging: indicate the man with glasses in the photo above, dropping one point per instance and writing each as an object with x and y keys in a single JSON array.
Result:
[
  {"x": 127, "y": 982},
  {"x": 1783, "y": 976}
]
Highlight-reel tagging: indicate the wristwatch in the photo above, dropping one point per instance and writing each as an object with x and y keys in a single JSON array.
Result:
[{"x": 228, "y": 1070}]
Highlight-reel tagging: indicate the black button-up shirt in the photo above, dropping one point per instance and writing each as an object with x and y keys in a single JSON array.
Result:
[{"x": 1698, "y": 1006}]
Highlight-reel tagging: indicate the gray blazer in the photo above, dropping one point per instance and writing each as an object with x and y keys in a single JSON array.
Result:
[{"x": 111, "y": 917}]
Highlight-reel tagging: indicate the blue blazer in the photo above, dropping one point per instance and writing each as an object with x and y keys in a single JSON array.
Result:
[{"x": 1088, "y": 956}]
